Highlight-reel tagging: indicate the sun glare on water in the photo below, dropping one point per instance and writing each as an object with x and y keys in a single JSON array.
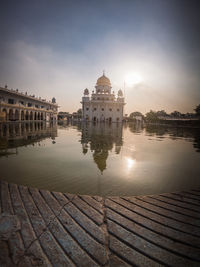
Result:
[{"x": 129, "y": 162}]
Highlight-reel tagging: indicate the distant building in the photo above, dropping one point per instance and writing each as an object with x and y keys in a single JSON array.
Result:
[
  {"x": 103, "y": 105},
  {"x": 16, "y": 106},
  {"x": 64, "y": 115}
]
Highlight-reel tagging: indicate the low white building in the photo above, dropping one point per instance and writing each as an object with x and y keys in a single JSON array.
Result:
[
  {"x": 17, "y": 106},
  {"x": 103, "y": 105}
]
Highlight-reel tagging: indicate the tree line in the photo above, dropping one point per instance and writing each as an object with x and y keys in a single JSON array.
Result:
[{"x": 162, "y": 114}]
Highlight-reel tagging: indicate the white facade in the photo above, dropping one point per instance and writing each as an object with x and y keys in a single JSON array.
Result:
[
  {"x": 103, "y": 105},
  {"x": 16, "y": 106}
]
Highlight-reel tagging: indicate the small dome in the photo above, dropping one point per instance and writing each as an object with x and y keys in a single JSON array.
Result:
[
  {"x": 86, "y": 92},
  {"x": 103, "y": 80},
  {"x": 120, "y": 93}
]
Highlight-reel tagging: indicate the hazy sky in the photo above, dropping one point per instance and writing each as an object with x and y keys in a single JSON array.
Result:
[{"x": 60, "y": 47}]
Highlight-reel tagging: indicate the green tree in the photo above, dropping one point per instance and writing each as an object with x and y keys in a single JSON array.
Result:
[
  {"x": 175, "y": 114},
  {"x": 161, "y": 113},
  {"x": 79, "y": 113},
  {"x": 197, "y": 110},
  {"x": 134, "y": 114},
  {"x": 152, "y": 116}
]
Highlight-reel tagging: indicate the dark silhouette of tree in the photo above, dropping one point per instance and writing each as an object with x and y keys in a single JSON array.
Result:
[
  {"x": 175, "y": 114},
  {"x": 162, "y": 113},
  {"x": 79, "y": 113},
  {"x": 152, "y": 116},
  {"x": 135, "y": 113},
  {"x": 197, "y": 110}
]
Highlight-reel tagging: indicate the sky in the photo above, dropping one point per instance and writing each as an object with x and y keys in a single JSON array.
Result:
[{"x": 148, "y": 48}]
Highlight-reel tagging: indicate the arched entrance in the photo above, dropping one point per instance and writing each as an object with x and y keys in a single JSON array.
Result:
[
  {"x": 27, "y": 116},
  {"x": 102, "y": 118},
  {"x": 94, "y": 119},
  {"x": 16, "y": 115},
  {"x": 5, "y": 114},
  {"x": 11, "y": 115},
  {"x": 110, "y": 120},
  {"x": 22, "y": 115},
  {"x": 38, "y": 115},
  {"x": 35, "y": 116},
  {"x": 42, "y": 116},
  {"x": 31, "y": 115}
]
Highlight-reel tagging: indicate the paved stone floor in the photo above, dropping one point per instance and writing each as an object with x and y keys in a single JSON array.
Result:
[{"x": 42, "y": 228}]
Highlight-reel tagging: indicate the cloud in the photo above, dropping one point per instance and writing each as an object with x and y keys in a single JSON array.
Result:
[{"x": 45, "y": 71}]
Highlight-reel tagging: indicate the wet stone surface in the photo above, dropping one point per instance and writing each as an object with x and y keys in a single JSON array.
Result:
[{"x": 42, "y": 228}]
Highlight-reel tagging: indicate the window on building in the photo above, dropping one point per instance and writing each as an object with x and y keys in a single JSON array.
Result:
[
  {"x": 36, "y": 106},
  {"x": 21, "y": 102},
  {"x": 102, "y": 109},
  {"x": 29, "y": 105},
  {"x": 87, "y": 108},
  {"x": 118, "y": 109},
  {"x": 95, "y": 109},
  {"x": 10, "y": 101},
  {"x": 110, "y": 109}
]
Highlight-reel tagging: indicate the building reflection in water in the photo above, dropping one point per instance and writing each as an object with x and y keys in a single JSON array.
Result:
[
  {"x": 100, "y": 139},
  {"x": 14, "y": 135}
]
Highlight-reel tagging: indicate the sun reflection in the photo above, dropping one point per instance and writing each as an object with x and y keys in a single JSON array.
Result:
[{"x": 130, "y": 163}]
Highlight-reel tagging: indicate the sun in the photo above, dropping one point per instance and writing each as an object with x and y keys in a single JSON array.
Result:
[{"x": 132, "y": 78}]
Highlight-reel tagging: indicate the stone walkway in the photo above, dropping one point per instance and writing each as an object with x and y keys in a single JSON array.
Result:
[{"x": 42, "y": 228}]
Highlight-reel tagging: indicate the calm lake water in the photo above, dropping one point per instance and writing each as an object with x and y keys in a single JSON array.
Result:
[{"x": 100, "y": 159}]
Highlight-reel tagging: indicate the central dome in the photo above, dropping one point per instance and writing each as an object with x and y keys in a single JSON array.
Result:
[{"x": 103, "y": 80}]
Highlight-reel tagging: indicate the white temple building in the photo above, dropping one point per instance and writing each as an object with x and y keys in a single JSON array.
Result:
[{"x": 103, "y": 105}]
